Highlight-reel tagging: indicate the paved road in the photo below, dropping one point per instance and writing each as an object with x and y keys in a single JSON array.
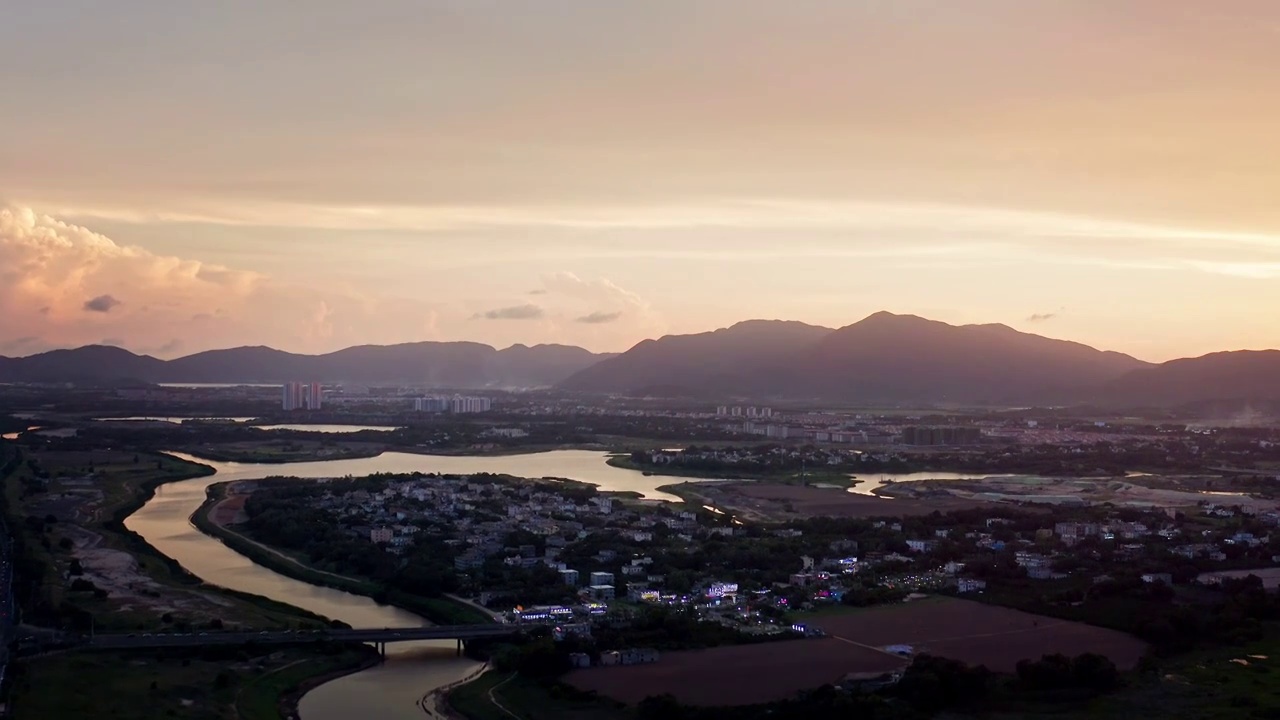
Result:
[{"x": 385, "y": 635}]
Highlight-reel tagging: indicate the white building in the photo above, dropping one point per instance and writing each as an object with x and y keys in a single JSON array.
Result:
[
  {"x": 300, "y": 396},
  {"x": 468, "y": 404},
  {"x": 457, "y": 404}
]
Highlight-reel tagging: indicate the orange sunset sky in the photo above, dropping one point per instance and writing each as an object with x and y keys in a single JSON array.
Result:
[{"x": 181, "y": 176}]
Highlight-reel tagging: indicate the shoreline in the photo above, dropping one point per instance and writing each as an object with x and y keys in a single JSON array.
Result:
[
  {"x": 436, "y": 703},
  {"x": 288, "y": 702},
  {"x": 280, "y": 562}
]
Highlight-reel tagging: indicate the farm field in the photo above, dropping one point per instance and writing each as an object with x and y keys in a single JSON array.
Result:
[
  {"x": 737, "y": 675},
  {"x": 963, "y": 630},
  {"x": 979, "y": 634}
]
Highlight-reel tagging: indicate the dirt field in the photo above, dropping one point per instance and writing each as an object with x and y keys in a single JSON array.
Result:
[
  {"x": 980, "y": 634},
  {"x": 229, "y": 510},
  {"x": 741, "y": 675},
  {"x": 774, "y": 502},
  {"x": 971, "y": 632}
]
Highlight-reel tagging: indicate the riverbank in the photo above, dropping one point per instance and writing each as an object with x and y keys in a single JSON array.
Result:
[
  {"x": 786, "y": 477},
  {"x": 436, "y": 703},
  {"x": 439, "y": 611},
  {"x": 288, "y": 697}
]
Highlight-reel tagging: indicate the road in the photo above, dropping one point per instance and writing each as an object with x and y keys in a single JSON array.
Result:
[{"x": 384, "y": 635}]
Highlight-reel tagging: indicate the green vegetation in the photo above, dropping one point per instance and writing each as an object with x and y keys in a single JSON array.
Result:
[
  {"x": 58, "y": 503},
  {"x": 260, "y": 697},
  {"x": 530, "y": 699},
  {"x": 439, "y": 610},
  {"x": 712, "y": 470},
  {"x": 227, "y": 684}
]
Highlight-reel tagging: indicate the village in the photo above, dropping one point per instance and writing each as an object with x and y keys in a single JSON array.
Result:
[{"x": 560, "y": 554}]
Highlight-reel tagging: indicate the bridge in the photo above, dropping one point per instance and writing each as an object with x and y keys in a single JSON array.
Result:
[{"x": 379, "y": 637}]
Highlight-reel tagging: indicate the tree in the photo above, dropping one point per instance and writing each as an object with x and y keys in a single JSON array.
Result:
[
  {"x": 660, "y": 707},
  {"x": 1095, "y": 672}
]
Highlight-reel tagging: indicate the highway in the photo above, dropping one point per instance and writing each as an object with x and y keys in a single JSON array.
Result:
[{"x": 290, "y": 637}]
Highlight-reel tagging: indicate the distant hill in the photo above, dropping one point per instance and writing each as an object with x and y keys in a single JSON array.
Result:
[
  {"x": 904, "y": 358},
  {"x": 1245, "y": 375},
  {"x": 445, "y": 364},
  {"x": 86, "y": 364},
  {"x": 730, "y": 360},
  {"x": 884, "y": 358}
]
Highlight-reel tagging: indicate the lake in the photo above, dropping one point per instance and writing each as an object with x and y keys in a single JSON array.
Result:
[
  {"x": 319, "y": 428},
  {"x": 868, "y": 484},
  {"x": 588, "y": 466}
]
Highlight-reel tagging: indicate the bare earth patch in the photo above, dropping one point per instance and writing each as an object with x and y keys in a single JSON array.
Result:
[
  {"x": 980, "y": 634},
  {"x": 738, "y": 675},
  {"x": 971, "y": 632}
]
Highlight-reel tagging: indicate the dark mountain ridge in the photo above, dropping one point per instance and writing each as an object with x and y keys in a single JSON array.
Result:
[
  {"x": 882, "y": 359},
  {"x": 446, "y": 364},
  {"x": 904, "y": 359}
]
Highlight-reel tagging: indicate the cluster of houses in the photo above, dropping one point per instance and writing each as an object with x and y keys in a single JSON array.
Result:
[{"x": 634, "y": 656}]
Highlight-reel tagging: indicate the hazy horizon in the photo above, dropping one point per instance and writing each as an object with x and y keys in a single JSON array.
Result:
[{"x": 175, "y": 180}]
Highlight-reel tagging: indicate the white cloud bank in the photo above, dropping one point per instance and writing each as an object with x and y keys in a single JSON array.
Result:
[{"x": 63, "y": 285}]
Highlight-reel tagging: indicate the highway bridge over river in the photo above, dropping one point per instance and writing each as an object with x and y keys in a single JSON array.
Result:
[{"x": 379, "y": 637}]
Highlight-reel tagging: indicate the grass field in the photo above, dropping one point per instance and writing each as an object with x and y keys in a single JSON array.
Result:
[
  {"x": 142, "y": 686},
  {"x": 528, "y": 700},
  {"x": 1219, "y": 684},
  {"x": 738, "y": 674},
  {"x": 89, "y": 493}
]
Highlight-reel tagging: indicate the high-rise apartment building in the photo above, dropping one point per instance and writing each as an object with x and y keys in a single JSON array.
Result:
[
  {"x": 302, "y": 396},
  {"x": 456, "y": 404}
]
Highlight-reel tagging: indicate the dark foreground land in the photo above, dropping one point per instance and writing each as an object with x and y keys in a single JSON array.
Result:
[{"x": 970, "y": 632}]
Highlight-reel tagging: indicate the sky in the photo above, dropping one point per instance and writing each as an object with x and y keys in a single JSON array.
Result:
[{"x": 176, "y": 177}]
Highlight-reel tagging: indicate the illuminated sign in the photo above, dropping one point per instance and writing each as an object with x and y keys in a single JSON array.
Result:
[{"x": 722, "y": 589}]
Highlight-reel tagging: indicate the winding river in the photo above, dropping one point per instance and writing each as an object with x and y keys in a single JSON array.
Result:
[{"x": 393, "y": 689}]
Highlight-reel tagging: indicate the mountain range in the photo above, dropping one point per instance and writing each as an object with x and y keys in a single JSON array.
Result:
[
  {"x": 899, "y": 359},
  {"x": 441, "y": 364},
  {"x": 883, "y": 359}
]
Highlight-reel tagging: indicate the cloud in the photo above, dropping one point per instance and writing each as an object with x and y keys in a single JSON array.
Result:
[
  {"x": 57, "y": 282},
  {"x": 173, "y": 346},
  {"x": 29, "y": 343},
  {"x": 1041, "y": 317},
  {"x": 542, "y": 291},
  {"x": 599, "y": 318},
  {"x": 527, "y": 311},
  {"x": 101, "y": 304}
]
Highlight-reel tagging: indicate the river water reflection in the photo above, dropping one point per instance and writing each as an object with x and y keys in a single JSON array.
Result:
[
  {"x": 584, "y": 465},
  {"x": 868, "y": 484},
  {"x": 391, "y": 690}
]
